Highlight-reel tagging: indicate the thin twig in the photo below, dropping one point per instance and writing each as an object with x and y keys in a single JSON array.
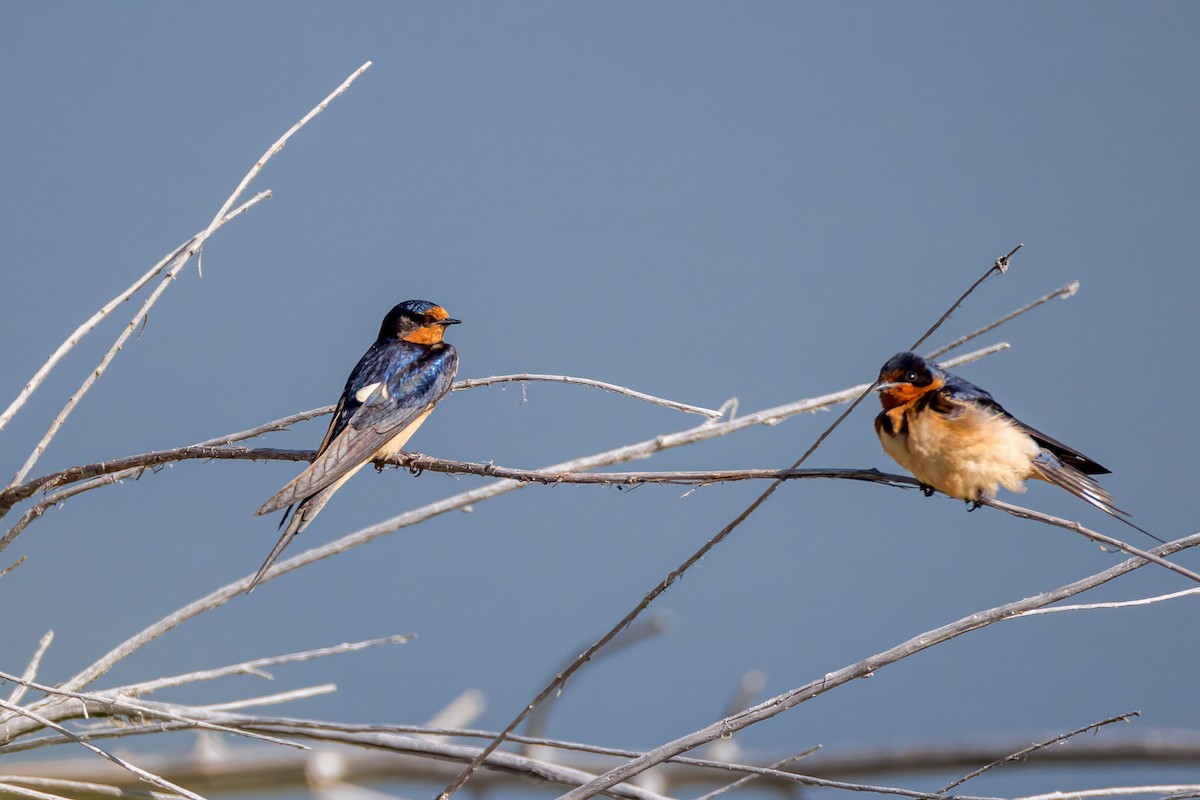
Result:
[
  {"x": 742, "y": 781},
  {"x": 561, "y": 678},
  {"x": 861, "y": 669},
  {"x": 177, "y": 262},
  {"x": 431, "y": 744},
  {"x": 30, "y": 672},
  {"x": 273, "y": 699},
  {"x": 1071, "y": 525},
  {"x": 998, "y": 268},
  {"x": 149, "y": 777},
  {"x": 53, "y": 500},
  {"x": 255, "y": 666},
  {"x": 105, "y": 703},
  {"x": 608, "y": 387},
  {"x": 208, "y": 449},
  {"x": 1163, "y": 746},
  {"x": 1145, "y": 601},
  {"x": 1115, "y": 791},
  {"x": 33, "y": 794},
  {"x": 1064, "y": 292},
  {"x": 1024, "y": 752},
  {"x": 182, "y": 256},
  {"x": 75, "y": 788}
]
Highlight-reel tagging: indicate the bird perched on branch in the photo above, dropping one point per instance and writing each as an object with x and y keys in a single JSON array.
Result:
[
  {"x": 388, "y": 395},
  {"x": 954, "y": 437}
]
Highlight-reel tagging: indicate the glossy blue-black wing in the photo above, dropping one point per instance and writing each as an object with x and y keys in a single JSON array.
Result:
[{"x": 387, "y": 409}]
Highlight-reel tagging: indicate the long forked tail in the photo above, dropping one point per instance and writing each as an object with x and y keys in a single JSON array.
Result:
[
  {"x": 295, "y": 519},
  {"x": 1051, "y": 469}
]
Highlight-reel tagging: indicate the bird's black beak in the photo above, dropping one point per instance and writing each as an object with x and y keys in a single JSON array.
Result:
[
  {"x": 888, "y": 385},
  {"x": 448, "y": 321}
]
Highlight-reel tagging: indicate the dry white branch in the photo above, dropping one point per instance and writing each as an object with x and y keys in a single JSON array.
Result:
[
  {"x": 273, "y": 699},
  {"x": 608, "y": 387},
  {"x": 96, "y": 704},
  {"x": 1064, "y": 292},
  {"x": 1115, "y": 791},
  {"x": 860, "y": 669},
  {"x": 1025, "y": 752},
  {"x": 30, "y": 672},
  {"x": 999, "y": 267},
  {"x": 90, "y": 324},
  {"x": 215, "y": 448},
  {"x": 176, "y": 263},
  {"x": 255, "y": 666},
  {"x": 42, "y": 506},
  {"x": 76, "y": 788},
  {"x": 242, "y": 769},
  {"x": 1145, "y": 601},
  {"x": 182, "y": 255},
  {"x": 23, "y": 791},
  {"x": 145, "y": 775}
]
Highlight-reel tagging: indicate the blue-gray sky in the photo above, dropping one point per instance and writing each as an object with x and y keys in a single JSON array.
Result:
[{"x": 698, "y": 200}]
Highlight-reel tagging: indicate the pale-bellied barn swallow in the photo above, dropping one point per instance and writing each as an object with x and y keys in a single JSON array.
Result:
[
  {"x": 954, "y": 437},
  {"x": 389, "y": 394}
]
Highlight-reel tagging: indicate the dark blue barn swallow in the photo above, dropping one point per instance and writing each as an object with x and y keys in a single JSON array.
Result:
[
  {"x": 389, "y": 394},
  {"x": 954, "y": 437}
]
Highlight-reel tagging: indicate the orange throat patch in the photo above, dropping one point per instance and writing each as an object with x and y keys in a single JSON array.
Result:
[{"x": 430, "y": 334}]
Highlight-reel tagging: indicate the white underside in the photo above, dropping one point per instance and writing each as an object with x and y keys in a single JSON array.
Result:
[{"x": 968, "y": 455}]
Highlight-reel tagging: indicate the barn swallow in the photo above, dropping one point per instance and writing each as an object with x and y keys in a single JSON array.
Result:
[
  {"x": 954, "y": 437},
  {"x": 388, "y": 395}
]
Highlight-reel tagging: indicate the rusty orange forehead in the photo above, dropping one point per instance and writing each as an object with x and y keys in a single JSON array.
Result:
[{"x": 437, "y": 312}]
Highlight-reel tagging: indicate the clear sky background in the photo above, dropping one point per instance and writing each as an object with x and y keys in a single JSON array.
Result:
[{"x": 698, "y": 200}]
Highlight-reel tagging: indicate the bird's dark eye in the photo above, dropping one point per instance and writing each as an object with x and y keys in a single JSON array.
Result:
[{"x": 910, "y": 377}]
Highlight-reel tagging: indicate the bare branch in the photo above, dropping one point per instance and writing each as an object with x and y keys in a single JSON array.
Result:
[
  {"x": 39, "y": 509},
  {"x": 30, "y": 673},
  {"x": 22, "y": 791},
  {"x": 176, "y": 263},
  {"x": 860, "y": 669},
  {"x": 90, "y": 324},
  {"x": 1058, "y": 522},
  {"x": 1115, "y": 791},
  {"x": 608, "y": 387},
  {"x": 16, "y": 783},
  {"x": 998, "y": 268},
  {"x": 103, "y": 703},
  {"x": 244, "y": 768},
  {"x": 1118, "y": 604},
  {"x": 1024, "y": 752},
  {"x": 1000, "y": 265},
  {"x": 149, "y": 777},
  {"x": 1064, "y": 292},
  {"x": 212, "y": 448},
  {"x": 255, "y": 666},
  {"x": 740, "y": 782},
  {"x": 180, "y": 258},
  {"x": 273, "y": 699}
]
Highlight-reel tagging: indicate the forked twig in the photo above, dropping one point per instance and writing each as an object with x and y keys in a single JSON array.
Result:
[
  {"x": 608, "y": 387},
  {"x": 1021, "y": 754},
  {"x": 177, "y": 261}
]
